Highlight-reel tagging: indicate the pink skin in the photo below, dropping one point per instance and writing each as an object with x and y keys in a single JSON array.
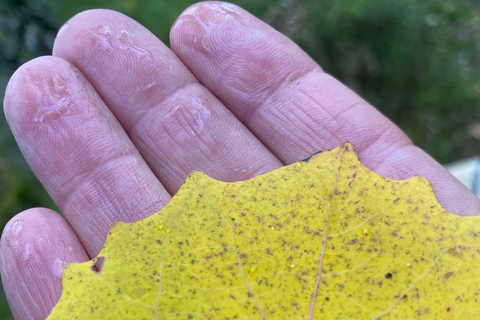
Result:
[
  {"x": 177, "y": 125},
  {"x": 114, "y": 122},
  {"x": 36, "y": 246}
]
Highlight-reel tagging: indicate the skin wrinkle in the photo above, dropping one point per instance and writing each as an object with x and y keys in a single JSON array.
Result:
[
  {"x": 376, "y": 133},
  {"x": 224, "y": 72},
  {"x": 333, "y": 118},
  {"x": 336, "y": 117},
  {"x": 147, "y": 113},
  {"x": 392, "y": 146},
  {"x": 446, "y": 184},
  {"x": 69, "y": 185},
  {"x": 209, "y": 151},
  {"x": 157, "y": 106},
  {"x": 168, "y": 128},
  {"x": 277, "y": 137},
  {"x": 228, "y": 67},
  {"x": 52, "y": 157},
  {"x": 89, "y": 137},
  {"x": 92, "y": 234},
  {"x": 115, "y": 206},
  {"x": 335, "y": 111},
  {"x": 170, "y": 167},
  {"x": 279, "y": 88},
  {"x": 110, "y": 182},
  {"x": 314, "y": 132},
  {"x": 300, "y": 139},
  {"x": 233, "y": 69},
  {"x": 272, "y": 90},
  {"x": 99, "y": 187},
  {"x": 185, "y": 125}
]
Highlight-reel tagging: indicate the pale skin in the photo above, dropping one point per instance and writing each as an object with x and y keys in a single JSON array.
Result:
[{"x": 114, "y": 121}]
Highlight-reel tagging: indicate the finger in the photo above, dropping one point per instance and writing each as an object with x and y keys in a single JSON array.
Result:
[
  {"x": 78, "y": 150},
  {"x": 35, "y": 247},
  {"x": 176, "y": 124},
  {"x": 290, "y": 104},
  {"x": 271, "y": 85}
]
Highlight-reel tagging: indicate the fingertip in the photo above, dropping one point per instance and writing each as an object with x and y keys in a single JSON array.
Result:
[
  {"x": 195, "y": 27},
  {"x": 204, "y": 11},
  {"x": 35, "y": 246},
  {"x": 237, "y": 56},
  {"x": 72, "y": 20},
  {"x": 39, "y": 90},
  {"x": 16, "y": 235},
  {"x": 69, "y": 30}
]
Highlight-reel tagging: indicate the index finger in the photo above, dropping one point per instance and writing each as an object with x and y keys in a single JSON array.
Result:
[{"x": 291, "y": 105}]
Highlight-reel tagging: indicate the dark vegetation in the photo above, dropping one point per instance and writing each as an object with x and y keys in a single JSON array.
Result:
[{"x": 416, "y": 61}]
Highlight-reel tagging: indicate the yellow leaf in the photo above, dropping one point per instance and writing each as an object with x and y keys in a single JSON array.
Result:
[{"x": 320, "y": 239}]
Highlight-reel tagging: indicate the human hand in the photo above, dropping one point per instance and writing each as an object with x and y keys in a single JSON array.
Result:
[{"x": 114, "y": 122}]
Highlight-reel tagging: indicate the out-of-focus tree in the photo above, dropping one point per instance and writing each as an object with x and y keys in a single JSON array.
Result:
[{"x": 416, "y": 61}]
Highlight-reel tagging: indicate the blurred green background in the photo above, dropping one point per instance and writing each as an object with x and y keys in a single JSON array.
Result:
[{"x": 416, "y": 61}]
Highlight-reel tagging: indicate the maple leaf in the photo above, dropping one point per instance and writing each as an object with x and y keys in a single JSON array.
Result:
[{"x": 325, "y": 238}]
